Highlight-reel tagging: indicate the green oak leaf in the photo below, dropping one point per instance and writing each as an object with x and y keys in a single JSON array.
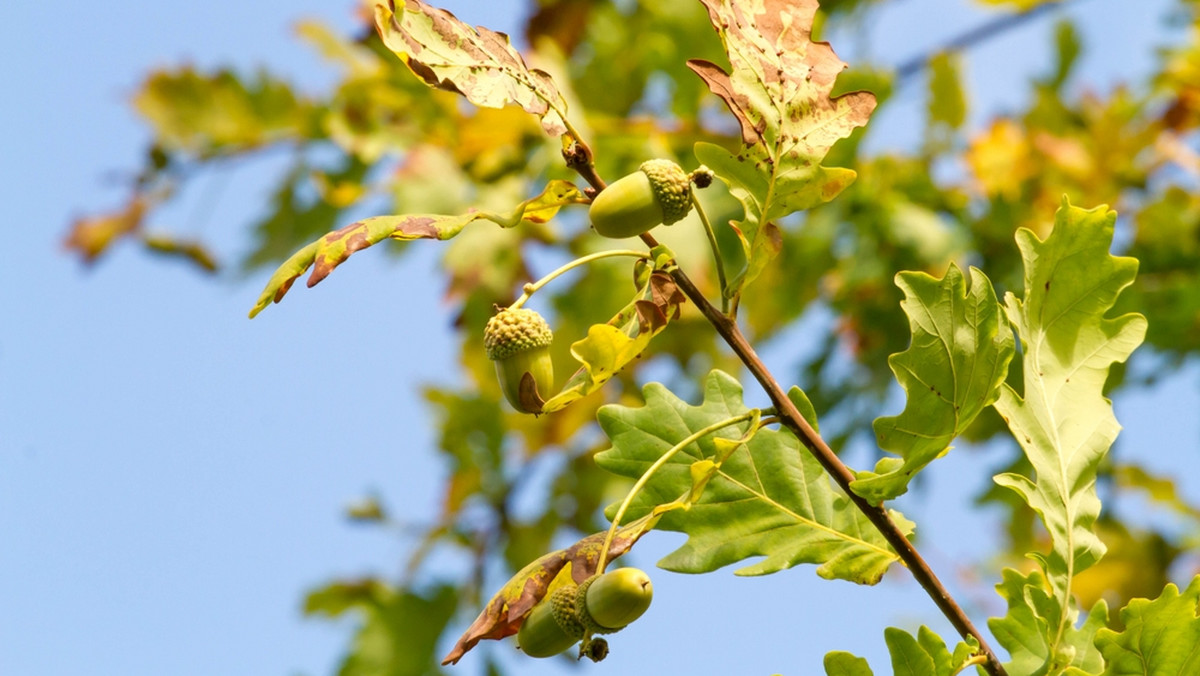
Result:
[
  {"x": 925, "y": 654},
  {"x": 334, "y": 248},
  {"x": 1062, "y": 421},
  {"x": 841, "y": 663},
  {"x": 768, "y": 498},
  {"x": 779, "y": 89},
  {"x": 1161, "y": 637},
  {"x": 952, "y": 370},
  {"x": 1030, "y": 631},
  {"x": 400, "y": 627},
  {"x": 478, "y": 63}
]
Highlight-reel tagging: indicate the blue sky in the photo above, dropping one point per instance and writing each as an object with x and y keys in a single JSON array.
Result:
[{"x": 173, "y": 476}]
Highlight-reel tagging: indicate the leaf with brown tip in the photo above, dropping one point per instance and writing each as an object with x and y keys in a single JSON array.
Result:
[
  {"x": 503, "y": 615},
  {"x": 333, "y": 249},
  {"x": 779, "y": 89},
  {"x": 478, "y": 63}
]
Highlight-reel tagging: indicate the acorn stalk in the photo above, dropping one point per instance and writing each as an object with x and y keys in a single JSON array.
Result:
[{"x": 518, "y": 341}]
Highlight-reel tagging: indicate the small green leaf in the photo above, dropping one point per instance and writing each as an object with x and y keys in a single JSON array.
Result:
[
  {"x": 924, "y": 655},
  {"x": 478, "y": 63},
  {"x": 769, "y": 498},
  {"x": 1161, "y": 637},
  {"x": 610, "y": 347},
  {"x": 952, "y": 370},
  {"x": 333, "y": 249},
  {"x": 840, "y": 663},
  {"x": 1038, "y": 636},
  {"x": 909, "y": 657},
  {"x": 400, "y": 627}
]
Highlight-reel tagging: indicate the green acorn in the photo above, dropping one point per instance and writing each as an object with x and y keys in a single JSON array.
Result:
[
  {"x": 658, "y": 193},
  {"x": 518, "y": 340},
  {"x": 614, "y": 599},
  {"x": 601, "y": 605},
  {"x": 551, "y": 626}
]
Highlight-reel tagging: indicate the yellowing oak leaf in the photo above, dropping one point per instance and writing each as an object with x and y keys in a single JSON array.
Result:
[
  {"x": 779, "y": 90},
  {"x": 333, "y": 249},
  {"x": 478, "y": 63}
]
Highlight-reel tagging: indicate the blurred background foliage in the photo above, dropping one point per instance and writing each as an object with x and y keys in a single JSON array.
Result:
[{"x": 379, "y": 141}]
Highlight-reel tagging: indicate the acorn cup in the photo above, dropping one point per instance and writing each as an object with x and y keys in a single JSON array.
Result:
[
  {"x": 518, "y": 341},
  {"x": 659, "y": 193},
  {"x": 601, "y": 605}
]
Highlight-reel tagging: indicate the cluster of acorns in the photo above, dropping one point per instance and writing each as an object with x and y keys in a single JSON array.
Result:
[
  {"x": 518, "y": 340},
  {"x": 602, "y": 604}
]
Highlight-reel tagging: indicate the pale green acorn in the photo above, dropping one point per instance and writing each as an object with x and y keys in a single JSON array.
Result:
[
  {"x": 602, "y": 605},
  {"x": 615, "y": 599},
  {"x": 518, "y": 341},
  {"x": 660, "y": 192},
  {"x": 551, "y": 627}
]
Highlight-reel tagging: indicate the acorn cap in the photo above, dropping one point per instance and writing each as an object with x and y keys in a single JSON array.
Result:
[
  {"x": 513, "y": 331},
  {"x": 671, "y": 186}
]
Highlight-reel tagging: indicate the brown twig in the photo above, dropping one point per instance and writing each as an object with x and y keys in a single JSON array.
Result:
[{"x": 727, "y": 328}]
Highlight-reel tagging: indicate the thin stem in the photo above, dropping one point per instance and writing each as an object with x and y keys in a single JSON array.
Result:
[
  {"x": 974, "y": 661},
  {"x": 718, "y": 260},
  {"x": 533, "y": 288},
  {"x": 658, "y": 464}
]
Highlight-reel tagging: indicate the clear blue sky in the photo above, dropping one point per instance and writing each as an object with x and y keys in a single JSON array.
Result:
[{"x": 173, "y": 476}]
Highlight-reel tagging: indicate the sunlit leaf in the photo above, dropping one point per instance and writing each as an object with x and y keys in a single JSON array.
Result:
[
  {"x": 1161, "y": 637},
  {"x": 334, "y": 248},
  {"x": 503, "y": 615},
  {"x": 1039, "y": 636},
  {"x": 779, "y": 91},
  {"x": 1062, "y": 421},
  {"x": 479, "y": 63},
  {"x": 769, "y": 498},
  {"x": 610, "y": 347},
  {"x": 952, "y": 370},
  {"x": 925, "y": 654}
]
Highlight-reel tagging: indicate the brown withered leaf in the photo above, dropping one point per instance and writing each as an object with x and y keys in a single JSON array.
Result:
[
  {"x": 333, "y": 249},
  {"x": 503, "y": 615},
  {"x": 478, "y": 63},
  {"x": 92, "y": 236}
]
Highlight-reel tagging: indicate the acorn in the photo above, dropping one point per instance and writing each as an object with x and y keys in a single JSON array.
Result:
[
  {"x": 552, "y": 626},
  {"x": 615, "y": 599},
  {"x": 601, "y": 605},
  {"x": 660, "y": 192},
  {"x": 518, "y": 341}
]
